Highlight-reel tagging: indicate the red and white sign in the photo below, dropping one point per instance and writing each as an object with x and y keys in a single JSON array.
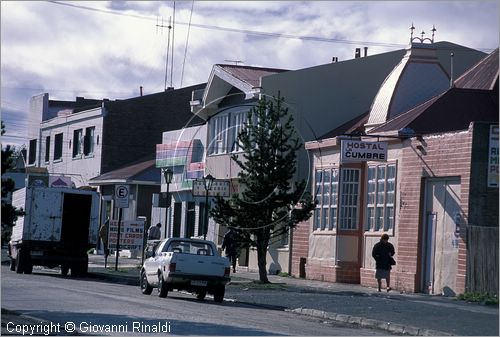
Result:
[{"x": 131, "y": 234}]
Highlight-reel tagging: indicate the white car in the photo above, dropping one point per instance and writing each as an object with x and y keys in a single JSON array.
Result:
[{"x": 185, "y": 264}]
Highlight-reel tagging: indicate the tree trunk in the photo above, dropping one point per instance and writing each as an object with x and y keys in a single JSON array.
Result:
[{"x": 262, "y": 243}]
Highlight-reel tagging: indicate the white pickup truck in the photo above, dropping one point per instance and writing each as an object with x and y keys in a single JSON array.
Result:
[{"x": 185, "y": 264}]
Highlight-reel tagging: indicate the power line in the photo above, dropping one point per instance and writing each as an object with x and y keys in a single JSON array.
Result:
[
  {"x": 187, "y": 41},
  {"x": 250, "y": 32}
]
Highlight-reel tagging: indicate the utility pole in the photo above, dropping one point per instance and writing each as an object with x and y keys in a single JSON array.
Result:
[{"x": 168, "y": 49}]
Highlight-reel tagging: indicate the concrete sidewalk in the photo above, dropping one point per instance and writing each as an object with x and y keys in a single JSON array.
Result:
[{"x": 394, "y": 312}]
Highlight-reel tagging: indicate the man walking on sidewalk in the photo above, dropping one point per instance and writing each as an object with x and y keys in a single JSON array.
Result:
[{"x": 229, "y": 243}]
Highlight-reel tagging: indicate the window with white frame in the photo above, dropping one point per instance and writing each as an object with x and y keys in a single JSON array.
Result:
[
  {"x": 326, "y": 186},
  {"x": 77, "y": 143},
  {"x": 218, "y": 134},
  {"x": 58, "y": 146},
  {"x": 88, "y": 144},
  {"x": 349, "y": 199},
  {"x": 238, "y": 121},
  {"x": 224, "y": 131},
  {"x": 380, "y": 197},
  {"x": 47, "y": 149},
  {"x": 32, "y": 152}
]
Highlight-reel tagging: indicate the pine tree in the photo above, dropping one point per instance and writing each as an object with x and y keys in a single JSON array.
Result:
[
  {"x": 9, "y": 212},
  {"x": 267, "y": 206}
]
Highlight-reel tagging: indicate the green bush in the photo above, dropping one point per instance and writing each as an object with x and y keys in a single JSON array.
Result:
[{"x": 484, "y": 298}]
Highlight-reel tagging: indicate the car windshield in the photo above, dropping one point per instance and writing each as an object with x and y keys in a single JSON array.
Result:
[{"x": 189, "y": 247}]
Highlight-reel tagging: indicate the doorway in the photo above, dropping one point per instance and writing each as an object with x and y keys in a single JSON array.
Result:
[{"x": 441, "y": 236}]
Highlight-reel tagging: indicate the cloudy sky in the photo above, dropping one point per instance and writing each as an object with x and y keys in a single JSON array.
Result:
[{"x": 108, "y": 49}]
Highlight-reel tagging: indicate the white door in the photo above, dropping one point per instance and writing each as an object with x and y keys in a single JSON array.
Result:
[
  {"x": 46, "y": 215},
  {"x": 441, "y": 236}
]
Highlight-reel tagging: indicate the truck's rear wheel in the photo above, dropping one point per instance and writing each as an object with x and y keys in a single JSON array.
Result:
[
  {"x": 20, "y": 261},
  {"x": 80, "y": 268},
  {"x": 28, "y": 266},
  {"x": 201, "y": 295},
  {"x": 219, "y": 294},
  {"x": 146, "y": 289},
  {"x": 64, "y": 269},
  {"x": 162, "y": 287}
]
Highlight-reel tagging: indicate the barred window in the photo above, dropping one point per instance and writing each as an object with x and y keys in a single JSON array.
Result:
[
  {"x": 381, "y": 187},
  {"x": 326, "y": 186},
  {"x": 349, "y": 199}
]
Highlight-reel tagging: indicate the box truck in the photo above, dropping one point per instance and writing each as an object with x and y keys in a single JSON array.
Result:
[{"x": 58, "y": 227}]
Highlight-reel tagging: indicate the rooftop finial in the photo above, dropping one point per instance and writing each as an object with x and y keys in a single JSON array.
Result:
[{"x": 421, "y": 39}]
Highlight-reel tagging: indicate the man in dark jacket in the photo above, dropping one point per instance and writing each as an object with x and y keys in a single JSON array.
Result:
[
  {"x": 382, "y": 252},
  {"x": 229, "y": 244}
]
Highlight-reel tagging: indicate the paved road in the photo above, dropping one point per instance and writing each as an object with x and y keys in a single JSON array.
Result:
[
  {"x": 415, "y": 314},
  {"x": 94, "y": 305}
]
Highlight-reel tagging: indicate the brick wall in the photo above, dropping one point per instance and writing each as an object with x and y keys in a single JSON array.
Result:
[
  {"x": 435, "y": 156},
  {"x": 300, "y": 249}
]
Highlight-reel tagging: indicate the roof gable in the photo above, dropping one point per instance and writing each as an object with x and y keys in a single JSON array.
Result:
[{"x": 224, "y": 78}]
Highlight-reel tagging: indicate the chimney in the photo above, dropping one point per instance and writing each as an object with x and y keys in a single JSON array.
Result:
[
  {"x": 335, "y": 59},
  {"x": 366, "y": 51},
  {"x": 140, "y": 90},
  {"x": 357, "y": 53}
]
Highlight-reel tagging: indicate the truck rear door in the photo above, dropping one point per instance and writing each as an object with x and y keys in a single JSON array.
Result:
[{"x": 45, "y": 216}]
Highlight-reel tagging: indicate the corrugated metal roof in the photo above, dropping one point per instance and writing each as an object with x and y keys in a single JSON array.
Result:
[
  {"x": 380, "y": 106},
  {"x": 415, "y": 79},
  {"x": 482, "y": 75},
  {"x": 249, "y": 74},
  {"x": 453, "y": 110}
]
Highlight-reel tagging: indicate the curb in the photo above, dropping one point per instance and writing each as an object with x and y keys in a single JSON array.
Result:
[
  {"x": 394, "y": 328},
  {"x": 369, "y": 323},
  {"x": 122, "y": 279}
]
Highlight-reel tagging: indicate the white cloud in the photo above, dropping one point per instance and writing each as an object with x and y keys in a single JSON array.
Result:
[{"x": 70, "y": 51}]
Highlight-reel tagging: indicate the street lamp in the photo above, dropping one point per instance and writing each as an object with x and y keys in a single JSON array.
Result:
[
  {"x": 168, "y": 175},
  {"x": 207, "y": 181}
]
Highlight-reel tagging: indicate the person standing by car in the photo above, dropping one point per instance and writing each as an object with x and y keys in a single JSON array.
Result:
[
  {"x": 229, "y": 243},
  {"x": 383, "y": 252},
  {"x": 154, "y": 232}
]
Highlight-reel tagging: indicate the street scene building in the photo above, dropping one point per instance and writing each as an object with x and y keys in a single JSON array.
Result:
[
  {"x": 413, "y": 102},
  {"x": 430, "y": 188}
]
